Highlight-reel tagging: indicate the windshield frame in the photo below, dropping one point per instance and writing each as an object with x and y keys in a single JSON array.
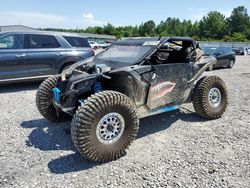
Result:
[
  {"x": 140, "y": 41},
  {"x": 139, "y": 60}
]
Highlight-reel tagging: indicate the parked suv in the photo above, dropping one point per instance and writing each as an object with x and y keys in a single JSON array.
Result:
[{"x": 35, "y": 55}]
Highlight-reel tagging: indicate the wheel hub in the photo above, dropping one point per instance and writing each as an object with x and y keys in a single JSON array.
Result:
[
  {"x": 231, "y": 63},
  {"x": 214, "y": 97},
  {"x": 110, "y": 128}
]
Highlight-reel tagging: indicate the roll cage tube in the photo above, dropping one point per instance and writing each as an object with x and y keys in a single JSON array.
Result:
[
  {"x": 159, "y": 46},
  {"x": 154, "y": 51}
]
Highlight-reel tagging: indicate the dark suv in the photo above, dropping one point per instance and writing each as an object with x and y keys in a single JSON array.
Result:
[{"x": 34, "y": 55}]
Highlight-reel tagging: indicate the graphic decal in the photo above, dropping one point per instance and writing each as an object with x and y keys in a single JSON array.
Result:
[{"x": 161, "y": 89}]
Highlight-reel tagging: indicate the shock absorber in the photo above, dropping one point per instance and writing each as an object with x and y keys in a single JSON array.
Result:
[{"x": 97, "y": 87}]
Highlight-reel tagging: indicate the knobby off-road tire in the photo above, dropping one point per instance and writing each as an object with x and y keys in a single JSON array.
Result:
[
  {"x": 44, "y": 102},
  {"x": 205, "y": 100},
  {"x": 88, "y": 129}
]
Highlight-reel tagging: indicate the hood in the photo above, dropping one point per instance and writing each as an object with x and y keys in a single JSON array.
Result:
[
  {"x": 111, "y": 64},
  {"x": 84, "y": 63}
]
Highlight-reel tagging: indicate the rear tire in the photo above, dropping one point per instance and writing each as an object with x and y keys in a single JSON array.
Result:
[
  {"x": 231, "y": 64},
  {"x": 44, "y": 102},
  {"x": 210, "y": 97},
  {"x": 66, "y": 67},
  {"x": 94, "y": 128}
]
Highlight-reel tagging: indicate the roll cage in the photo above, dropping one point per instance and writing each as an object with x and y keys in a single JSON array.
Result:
[{"x": 162, "y": 47}]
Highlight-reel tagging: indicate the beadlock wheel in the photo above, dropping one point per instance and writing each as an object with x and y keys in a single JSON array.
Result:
[
  {"x": 104, "y": 126},
  {"x": 214, "y": 97},
  {"x": 210, "y": 97},
  {"x": 110, "y": 128}
]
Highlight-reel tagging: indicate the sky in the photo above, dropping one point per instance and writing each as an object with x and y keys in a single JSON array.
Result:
[{"x": 83, "y": 13}]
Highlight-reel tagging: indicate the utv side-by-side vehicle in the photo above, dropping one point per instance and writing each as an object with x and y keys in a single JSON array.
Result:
[{"x": 134, "y": 78}]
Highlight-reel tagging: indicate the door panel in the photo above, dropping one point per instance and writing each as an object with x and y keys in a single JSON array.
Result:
[
  {"x": 13, "y": 56},
  {"x": 168, "y": 83},
  {"x": 44, "y": 61},
  {"x": 227, "y": 59},
  {"x": 13, "y": 64},
  {"x": 220, "y": 56},
  {"x": 44, "y": 55},
  {"x": 220, "y": 60}
]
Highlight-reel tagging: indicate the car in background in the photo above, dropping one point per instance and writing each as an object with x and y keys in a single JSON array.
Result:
[
  {"x": 94, "y": 45},
  {"x": 225, "y": 56},
  {"x": 248, "y": 50},
  {"x": 103, "y": 44},
  {"x": 240, "y": 50},
  {"x": 109, "y": 41},
  {"x": 35, "y": 55}
]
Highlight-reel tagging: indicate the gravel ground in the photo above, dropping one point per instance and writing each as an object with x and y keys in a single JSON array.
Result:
[{"x": 177, "y": 149}]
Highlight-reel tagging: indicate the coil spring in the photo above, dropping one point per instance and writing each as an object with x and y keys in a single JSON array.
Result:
[{"x": 97, "y": 87}]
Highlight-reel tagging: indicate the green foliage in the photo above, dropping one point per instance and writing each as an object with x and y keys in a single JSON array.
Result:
[
  {"x": 235, "y": 37},
  {"x": 213, "y": 26},
  {"x": 239, "y": 21},
  {"x": 147, "y": 29},
  {"x": 238, "y": 37}
]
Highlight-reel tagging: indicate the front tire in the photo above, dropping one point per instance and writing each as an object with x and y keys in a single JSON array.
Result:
[
  {"x": 210, "y": 97},
  {"x": 44, "y": 102},
  {"x": 103, "y": 128}
]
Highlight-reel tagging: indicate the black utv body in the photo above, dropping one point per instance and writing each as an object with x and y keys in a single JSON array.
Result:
[{"x": 132, "y": 79}]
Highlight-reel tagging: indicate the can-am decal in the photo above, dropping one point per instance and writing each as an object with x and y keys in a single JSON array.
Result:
[
  {"x": 151, "y": 43},
  {"x": 161, "y": 89}
]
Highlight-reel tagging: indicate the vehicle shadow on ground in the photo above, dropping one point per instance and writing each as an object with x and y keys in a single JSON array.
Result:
[
  {"x": 17, "y": 87},
  {"x": 48, "y": 136},
  {"x": 157, "y": 123}
]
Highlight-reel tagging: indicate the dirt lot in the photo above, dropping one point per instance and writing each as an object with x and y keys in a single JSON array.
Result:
[{"x": 177, "y": 149}]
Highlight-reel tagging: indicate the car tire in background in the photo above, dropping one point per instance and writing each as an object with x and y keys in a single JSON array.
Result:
[
  {"x": 231, "y": 64},
  {"x": 210, "y": 68}
]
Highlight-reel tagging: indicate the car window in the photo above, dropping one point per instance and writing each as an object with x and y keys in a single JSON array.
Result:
[
  {"x": 43, "y": 41},
  {"x": 12, "y": 42},
  {"x": 209, "y": 50},
  {"x": 90, "y": 42},
  {"x": 227, "y": 50},
  {"x": 77, "y": 41},
  {"x": 224, "y": 50},
  {"x": 219, "y": 50}
]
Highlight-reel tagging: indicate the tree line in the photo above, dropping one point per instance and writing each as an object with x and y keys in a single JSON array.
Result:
[{"x": 212, "y": 27}]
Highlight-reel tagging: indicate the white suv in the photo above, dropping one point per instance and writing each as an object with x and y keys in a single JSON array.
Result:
[{"x": 94, "y": 45}]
